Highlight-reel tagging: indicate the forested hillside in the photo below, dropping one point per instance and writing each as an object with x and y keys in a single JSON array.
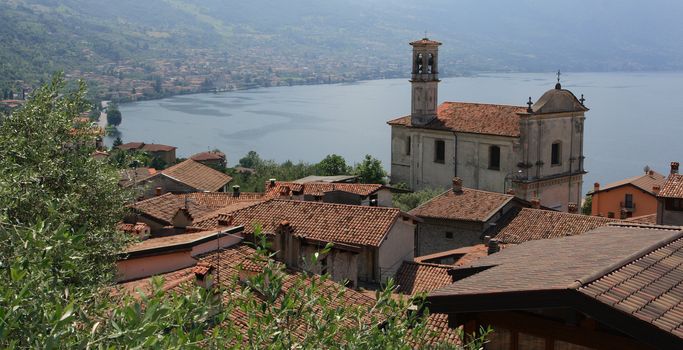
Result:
[{"x": 168, "y": 46}]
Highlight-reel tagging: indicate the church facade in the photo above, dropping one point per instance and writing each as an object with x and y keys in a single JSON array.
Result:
[{"x": 534, "y": 151}]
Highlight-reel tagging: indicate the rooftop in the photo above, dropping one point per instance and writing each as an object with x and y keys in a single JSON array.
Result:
[
  {"x": 673, "y": 187},
  {"x": 210, "y": 155},
  {"x": 532, "y": 224},
  {"x": 319, "y": 188},
  {"x": 468, "y": 205},
  {"x": 335, "y": 178},
  {"x": 644, "y": 182},
  {"x": 133, "y": 175},
  {"x": 197, "y": 175},
  {"x": 176, "y": 241},
  {"x": 476, "y": 118},
  {"x": 349, "y": 224},
  {"x": 164, "y": 208},
  {"x": 217, "y": 200}
]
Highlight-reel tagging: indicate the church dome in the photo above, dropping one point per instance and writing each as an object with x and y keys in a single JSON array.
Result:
[{"x": 558, "y": 100}]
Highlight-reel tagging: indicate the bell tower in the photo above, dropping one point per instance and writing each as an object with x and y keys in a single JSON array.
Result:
[{"x": 424, "y": 81}]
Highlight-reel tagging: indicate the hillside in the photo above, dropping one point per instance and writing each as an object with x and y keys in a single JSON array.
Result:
[{"x": 142, "y": 49}]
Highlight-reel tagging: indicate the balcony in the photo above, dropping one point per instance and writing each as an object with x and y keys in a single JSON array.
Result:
[{"x": 627, "y": 206}]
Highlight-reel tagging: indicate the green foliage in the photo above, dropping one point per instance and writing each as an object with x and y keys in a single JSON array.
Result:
[
  {"x": 117, "y": 142},
  {"x": 587, "y": 206},
  {"x": 370, "y": 171},
  {"x": 113, "y": 115},
  {"x": 251, "y": 160},
  {"x": 333, "y": 165},
  {"x": 410, "y": 201}
]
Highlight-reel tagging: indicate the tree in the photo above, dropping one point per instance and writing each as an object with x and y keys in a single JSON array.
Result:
[
  {"x": 117, "y": 142},
  {"x": 251, "y": 160},
  {"x": 409, "y": 201},
  {"x": 113, "y": 115},
  {"x": 370, "y": 170},
  {"x": 333, "y": 165},
  {"x": 587, "y": 206}
]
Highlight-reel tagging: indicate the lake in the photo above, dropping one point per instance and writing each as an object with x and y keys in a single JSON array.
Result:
[{"x": 636, "y": 119}]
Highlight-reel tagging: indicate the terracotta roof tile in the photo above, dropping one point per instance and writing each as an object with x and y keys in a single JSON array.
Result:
[
  {"x": 210, "y": 155},
  {"x": 532, "y": 224},
  {"x": 644, "y": 182},
  {"x": 218, "y": 200},
  {"x": 412, "y": 277},
  {"x": 155, "y": 147},
  {"x": 350, "y": 224},
  {"x": 477, "y": 118},
  {"x": 673, "y": 187},
  {"x": 469, "y": 205},
  {"x": 467, "y": 255},
  {"x": 556, "y": 264},
  {"x": 163, "y": 208},
  {"x": 319, "y": 188},
  {"x": 650, "y": 219},
  {"x": 197, "y": 175},
  {"x": 131, "y": 145}
]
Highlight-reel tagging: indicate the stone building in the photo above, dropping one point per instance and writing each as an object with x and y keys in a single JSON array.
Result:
[
  {"x": 536, "y": 150},
  {"x": 670, "y": 199}
]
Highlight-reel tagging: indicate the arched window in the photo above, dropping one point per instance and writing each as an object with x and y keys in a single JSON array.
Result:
[
  {"x": 494, "y": 157},
  {"x": 430, "y": 64},
  {"x": 418, "y": 63},
  {"x": 556, "y": 153}
]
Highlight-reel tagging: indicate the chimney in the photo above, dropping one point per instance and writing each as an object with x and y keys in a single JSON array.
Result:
[
  {"x": 272, "y": 182},
  {"x": 572, "y": 208},
  {"x": 494, "y": 246},
  {"x": 650, "y": 172},
  {"x": 457, "y": 185},
  {"x": 487, "y": 239},
  {"x": 536, "y": 203},
  {"x": 596, "y": 187},
  {"x": 674, "y": 168},
  {"x": 656, "y": 189},
  {"x": 157, "y": 191},
  {"x": 236, "y": 191}
]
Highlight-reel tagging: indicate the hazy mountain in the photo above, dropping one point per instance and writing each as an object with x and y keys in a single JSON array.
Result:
[{"x": 38, "y": 36}]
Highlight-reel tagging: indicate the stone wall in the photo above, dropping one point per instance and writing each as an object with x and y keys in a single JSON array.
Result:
[{"x": 432, "y": 235}]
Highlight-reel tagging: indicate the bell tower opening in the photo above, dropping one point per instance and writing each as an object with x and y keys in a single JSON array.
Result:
[{"x": 424, "y": 81}]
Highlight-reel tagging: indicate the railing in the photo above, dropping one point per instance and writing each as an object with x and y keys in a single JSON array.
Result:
[{"x": 627, "y": 206}]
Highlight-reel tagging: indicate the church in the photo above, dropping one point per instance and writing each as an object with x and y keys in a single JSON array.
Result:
[{"x": 534, "y": 151}]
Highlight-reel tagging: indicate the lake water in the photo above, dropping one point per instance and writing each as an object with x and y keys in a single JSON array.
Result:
[{"x": 636, "y": 119}]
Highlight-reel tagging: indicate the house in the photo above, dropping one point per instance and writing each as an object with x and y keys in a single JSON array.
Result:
[
  {"x": 535, "y": 150},
  {"x": 460, "y": 217},
  {"x": 670, "y": 199},
  {"x": 131, "y": 176},
  {"x": 164, "y": 153},
  {"x": 616, "y": 287},
  {"x": 369, "y": 242},
  {"x": 532, "y": 224},
  {"x": 155, "y": 256},
  {"x": 330, "y": 192},
  {"x": 171, "y": 213},
  {"x": 211, "y": 158},
  {"x": 230, "y": 268},
  {"x": 185, "y": 177},
  {"x": 635, "y": 196}
]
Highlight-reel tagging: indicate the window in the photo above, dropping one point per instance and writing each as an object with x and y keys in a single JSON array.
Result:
[
  {"x": 555, "y": 153},
  {"x": 628, "y": 201},
  {"x": 675, "y": 204},
  {"x": 408, "y": 146},
  {"x": 610, "y": 214},
  {"x": 494, "y": 158},
  {"x": 439, "y": 151},
  {"x": 449, "y": 235}
]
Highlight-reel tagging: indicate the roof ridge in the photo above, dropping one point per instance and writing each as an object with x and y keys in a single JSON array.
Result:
[
  {"x": 313, "y": 203},
  {"x": 625, "y": 261},
  {"x": 442, "y": 266},
  {"x": 484, "y": 103},
  {"x": 144, "y": 201}
]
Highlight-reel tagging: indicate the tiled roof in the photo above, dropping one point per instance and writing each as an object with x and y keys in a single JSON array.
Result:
[
  {"x": 467, "y": 255},
  {"x": 650, "y": 219},
  {"x": 532, "y": 224},
  {"x": 412, "y": 277},
  {"x": 197, "y": 175},
  {"x": 155, "y": 147},
  {"x": 217, "y": 200},
  {"x": 133, "y": 228},
  {"x": 469, "y": 205},
  {"x": 556, "y": 264},
  {"x": 214, "y": 218},
  {"x": 477, "y": 118},
  {"x": 673, "y": 187},
  {"x": 169, "y": 241},
  {"x": 649, "y": 288},
  {"x": 425, "y": 41},
  {"x": 319, "y": 188},
  {"x": 210, "y": 155},
  {"x": 350, "y": 224},
  {"x": 227, "y": 272},
  {"x": 331, "y": 178},
  {"x": 131, "y": 145},
  {"x": 644, "y": 182},
  {"x": 163, "y": 208}
]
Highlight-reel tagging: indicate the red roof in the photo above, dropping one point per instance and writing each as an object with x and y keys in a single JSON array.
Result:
[
  {"x": 211, "y": 155},
  {"x": 339, "y": 223},
  {"x": 319, "y": 188},
  {"x": 424, "y": 41},
  {"x": 197, "y": 175},
  {"x": 469, "y": 205},
  {"x": 476, "y": 118},
  {"x": 673, "y": 187},
  {"x": 155, "y": 147}
]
